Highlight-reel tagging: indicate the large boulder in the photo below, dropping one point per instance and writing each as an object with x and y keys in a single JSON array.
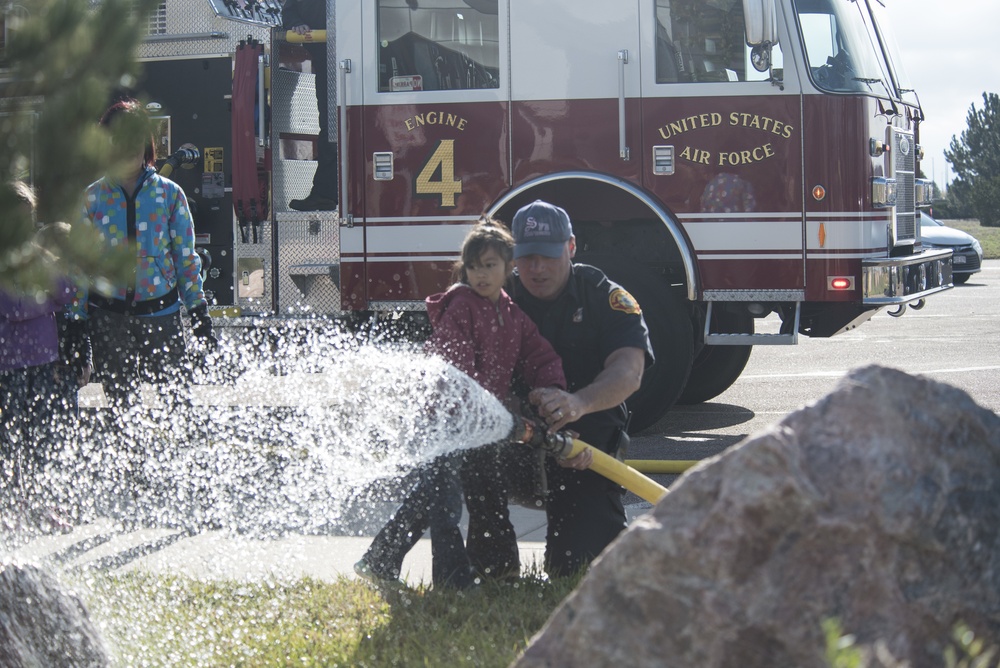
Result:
[
  {"x": 43, "y": 625},
  {"x": 879, "y": 506}
]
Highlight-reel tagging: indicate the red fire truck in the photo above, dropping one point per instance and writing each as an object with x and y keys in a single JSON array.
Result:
[{"x": 724, "y": 160}]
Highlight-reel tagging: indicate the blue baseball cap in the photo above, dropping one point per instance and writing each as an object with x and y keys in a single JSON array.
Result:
[{"x": 541, "y": 228}]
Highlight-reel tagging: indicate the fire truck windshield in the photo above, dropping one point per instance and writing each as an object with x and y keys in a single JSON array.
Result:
[
  {"x": 843, "y": 50},
  {"x": 904, "y": 87}
]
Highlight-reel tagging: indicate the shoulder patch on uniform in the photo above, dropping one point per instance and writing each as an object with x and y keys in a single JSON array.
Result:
[{"x": 621, "y": 300}]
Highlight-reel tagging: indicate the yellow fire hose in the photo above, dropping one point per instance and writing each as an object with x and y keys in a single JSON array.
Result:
[
  {"x": 619, "y": 472},
  {"x": 661, "y": 465},
  {"x": 185, "y": 156},
  {"x": 308, "y": 37},
  {"x": 563, "y": 446}
]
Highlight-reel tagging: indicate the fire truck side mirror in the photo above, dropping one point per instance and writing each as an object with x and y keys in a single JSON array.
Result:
[
  {"x": 761, "y": 22},
  {"x": 760, "y": 57}
]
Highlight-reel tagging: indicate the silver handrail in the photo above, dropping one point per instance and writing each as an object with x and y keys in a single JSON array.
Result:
[
  {"x": 623, "y": 150},
  {"x": 261, "y": 65},
  {"x": 345, "y": 217}
]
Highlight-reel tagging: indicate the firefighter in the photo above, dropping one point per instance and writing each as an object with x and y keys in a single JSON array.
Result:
[
  {"x": 598, "y": 330},
  {"x": 302, "y": 16}
]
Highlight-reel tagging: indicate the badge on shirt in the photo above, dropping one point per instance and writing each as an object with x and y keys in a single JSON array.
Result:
[
  {"x": 621, "y": 300},
  {"x": 578, "y": 316}
]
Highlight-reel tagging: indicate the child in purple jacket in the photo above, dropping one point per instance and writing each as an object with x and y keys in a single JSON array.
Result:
[
  {"x": 29, "y": 394},
  {"x": 478, "y": 328}
]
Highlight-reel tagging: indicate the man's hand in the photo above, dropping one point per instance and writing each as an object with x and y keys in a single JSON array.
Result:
[
  {"x": 621, "y": 376},
  {"x": 581, "y": 462},
  {"x": 557, "y": 407}
]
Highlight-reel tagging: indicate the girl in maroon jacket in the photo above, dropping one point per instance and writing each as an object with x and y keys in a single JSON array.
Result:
[{"x": 479, "y": 329}]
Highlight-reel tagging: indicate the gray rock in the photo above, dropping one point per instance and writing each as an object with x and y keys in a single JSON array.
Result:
[
  {"x": 878, "y": 506},
  {"x": 41, "y": 625}
]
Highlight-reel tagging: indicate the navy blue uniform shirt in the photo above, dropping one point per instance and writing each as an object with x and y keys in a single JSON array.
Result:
[{"x": 589, "y": 320}]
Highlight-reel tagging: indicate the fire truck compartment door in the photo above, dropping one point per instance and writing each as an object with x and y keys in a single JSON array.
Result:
[
  {"x": 574, "y": 86},
  {"x": 427, "y": 126},
  {"x": 722, "y": 145}
]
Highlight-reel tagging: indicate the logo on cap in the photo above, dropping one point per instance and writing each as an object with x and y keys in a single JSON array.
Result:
[{"x": 534, "y": 228}]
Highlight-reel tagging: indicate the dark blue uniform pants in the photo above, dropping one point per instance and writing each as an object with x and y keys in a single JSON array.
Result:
[{"x": 583, "y": 509}]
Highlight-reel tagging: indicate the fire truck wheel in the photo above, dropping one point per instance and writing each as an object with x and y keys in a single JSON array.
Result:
[
  {"x": 717, "y": 367},
  {"x": 670, "y": 331}
]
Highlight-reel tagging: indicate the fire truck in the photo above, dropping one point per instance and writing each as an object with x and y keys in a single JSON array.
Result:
[{"x": 724, "y": 160}]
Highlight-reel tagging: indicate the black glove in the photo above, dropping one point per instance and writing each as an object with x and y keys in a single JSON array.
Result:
[
  {"x": 202, "y": 325},
  {"x": 74, "y": 345}
]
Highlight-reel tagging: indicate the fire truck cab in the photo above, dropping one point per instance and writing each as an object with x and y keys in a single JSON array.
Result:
[{"x": 724, "y": 160}]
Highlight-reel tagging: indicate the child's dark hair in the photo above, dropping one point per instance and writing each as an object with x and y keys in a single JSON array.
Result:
[
  {"x": 130, "y": 108},
  {"x": 488, "y": 234}
]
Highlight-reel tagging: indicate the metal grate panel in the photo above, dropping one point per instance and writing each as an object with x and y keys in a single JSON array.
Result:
[
  {"x": 157, "y": 22},
  {"x": 904, "y": 163}
]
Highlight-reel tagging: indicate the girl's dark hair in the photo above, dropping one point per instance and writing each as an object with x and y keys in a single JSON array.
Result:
[
  {"x": 488, "y": 234},
  {"x": 131, "y": 108}
]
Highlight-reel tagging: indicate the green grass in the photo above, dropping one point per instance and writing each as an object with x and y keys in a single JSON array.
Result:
[
  {"x": 155, "y": 621},
  {"x": 174, "y": 621},
  {"x": 989, "y": 237}
]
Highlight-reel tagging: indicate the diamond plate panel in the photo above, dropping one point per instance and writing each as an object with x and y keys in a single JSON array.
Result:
[
  {"x": 392, "y": 307},
  {"x": 308, "y": 263},
  {"x": 292, "y": 179},
  {"x": 191, "y": 28},
  {"x": 293, "y": 102},
  {"x": 293, "y": 109},
  {"x": 332, "y": 70}
]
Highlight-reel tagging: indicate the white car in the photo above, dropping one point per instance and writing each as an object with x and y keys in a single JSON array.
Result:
[{"x": 967, "y": 254}]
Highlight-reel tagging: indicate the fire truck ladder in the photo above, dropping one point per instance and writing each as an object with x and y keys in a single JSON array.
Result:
[{"x": 740, "y": 339}]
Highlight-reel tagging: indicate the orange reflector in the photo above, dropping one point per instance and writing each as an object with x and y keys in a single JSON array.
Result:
[
  {"x": 840, "y": 283},
  {"x": 819, "y": 192}
]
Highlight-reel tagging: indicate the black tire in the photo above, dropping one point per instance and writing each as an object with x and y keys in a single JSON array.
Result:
[
  {"x": 716, "y": 368},
  {"x": 959, "y": 279},
  {"x": 671, "y": 334}
]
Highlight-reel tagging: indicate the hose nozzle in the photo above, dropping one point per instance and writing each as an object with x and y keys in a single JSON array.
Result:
[
  {"x": 564, "y": 445},
  {"x": 535, "y": 434},
  {"x": 186, "y": 155}
]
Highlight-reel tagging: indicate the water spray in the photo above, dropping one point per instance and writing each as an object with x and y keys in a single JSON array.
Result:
[{"x": 564, "y": 445}]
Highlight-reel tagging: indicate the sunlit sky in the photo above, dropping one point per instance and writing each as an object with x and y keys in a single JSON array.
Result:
[{"x": 952, "y": 54}]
